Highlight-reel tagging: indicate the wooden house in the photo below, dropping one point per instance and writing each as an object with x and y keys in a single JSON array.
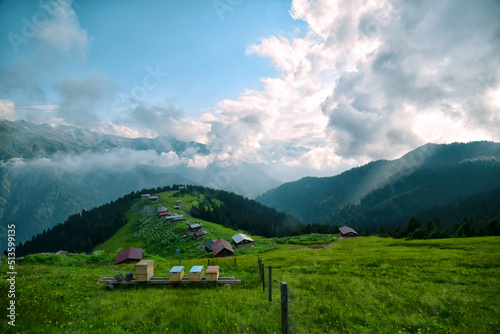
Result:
[
  {"x": 242, "y": 241},
  {"x": 173, "y": 217},
  {"x": 178, "y": 202},
  {"x": 62, "y": 252},
  {"x": 222, "y": 248},
  {"x": 193, "y": 227},
  {"x": 129, "y": 255},
  {"x": 198, "y": 235},
  {"x": 208, "y": 246},
  {"x": 161, "y": 208},
  {"x": 346, "y": 231}
]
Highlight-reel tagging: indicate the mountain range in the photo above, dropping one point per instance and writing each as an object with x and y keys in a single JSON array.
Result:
[
  {"x": 428, "y": 182},
  {"x": 49, "y": 172}
]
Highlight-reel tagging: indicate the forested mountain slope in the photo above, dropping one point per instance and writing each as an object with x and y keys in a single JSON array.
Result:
[{"x": 383, "y": 191}]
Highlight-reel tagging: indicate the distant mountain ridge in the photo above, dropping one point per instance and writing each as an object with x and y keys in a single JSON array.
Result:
[
  {"x": 49, "y": 172},
  {"x": 21, "y": 139},
  {"x": 388, "y": 192}
]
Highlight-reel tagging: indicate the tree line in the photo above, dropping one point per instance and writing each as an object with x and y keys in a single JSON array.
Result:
[
  {"x": 432, "y": 229},
  {"x": 237, "y": 212}
]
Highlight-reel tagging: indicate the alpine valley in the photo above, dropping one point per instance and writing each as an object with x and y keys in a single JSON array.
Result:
[{"x": 48, "y": 173}]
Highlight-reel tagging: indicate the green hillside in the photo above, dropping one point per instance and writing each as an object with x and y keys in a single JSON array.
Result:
[
  {"x": 361, "y": 285},
  {"x": 136, "y": 223},
  {"x": 144, "y": 229}
]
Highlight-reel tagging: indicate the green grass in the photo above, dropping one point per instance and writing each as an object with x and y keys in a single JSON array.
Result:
[{"x": 361, "y": 285}]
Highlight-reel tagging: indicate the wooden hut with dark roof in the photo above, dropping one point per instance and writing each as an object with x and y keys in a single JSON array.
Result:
[
  {"x": 222, "y": 248},
  {"x": 200, "y": 234},
  {"x": 346, "y": 231},
  {"x": 129, "y": 255},
  {"x": 242, "y": 241},
  {"x": 208, "y": 245}
]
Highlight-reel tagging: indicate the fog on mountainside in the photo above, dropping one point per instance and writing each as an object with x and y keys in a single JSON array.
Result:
[{"x": 48, "y": 173}]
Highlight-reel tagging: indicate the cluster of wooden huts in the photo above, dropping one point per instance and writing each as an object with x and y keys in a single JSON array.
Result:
[
  {"x": 197, "y": 231},
  {"x": 152, "y": 198},
  {"x": 222, "y": 248},
  {"x": 173, "y": 217}
]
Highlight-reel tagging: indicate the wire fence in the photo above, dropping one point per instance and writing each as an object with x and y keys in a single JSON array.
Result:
[{"x": 278, "y": 292}]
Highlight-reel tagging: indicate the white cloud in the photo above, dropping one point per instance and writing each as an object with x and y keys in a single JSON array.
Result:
[
  {"x": 82, "y": 98},
  {"x": 397, "y": 61},
  {"x": 120, "y": 130},
  {"x": 120, "y": 159},
  {"x": 369, "y": 80},
  {"x": 63, "y": 29},
  {"x": 8, "y": 110}
]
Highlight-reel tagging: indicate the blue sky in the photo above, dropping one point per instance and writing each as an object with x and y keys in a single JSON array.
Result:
[
  {"x": 200, "y": 44},
  {"x": 302, "y": 87}
]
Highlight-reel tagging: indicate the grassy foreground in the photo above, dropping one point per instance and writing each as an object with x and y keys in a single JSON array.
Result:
[{"x": 362, "y": 285}]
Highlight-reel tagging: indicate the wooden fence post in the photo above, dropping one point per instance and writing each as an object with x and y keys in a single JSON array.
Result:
[
  {"x": 284, "y": 308},
  {"x": 260, "y": 266},
  {"x": 109, "y": 263},
  {"x": 270, "y": 279},
  {"x": 179, "y": 262},
  {"x": 85, "y": 260},
  {"x": 263, "y": 276}
]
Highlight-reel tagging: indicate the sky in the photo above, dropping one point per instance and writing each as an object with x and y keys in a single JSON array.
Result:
[{"x": 296, "y": 87}]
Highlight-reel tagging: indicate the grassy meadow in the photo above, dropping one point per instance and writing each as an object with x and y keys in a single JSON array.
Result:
[{"x": 360, "y": 285}]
